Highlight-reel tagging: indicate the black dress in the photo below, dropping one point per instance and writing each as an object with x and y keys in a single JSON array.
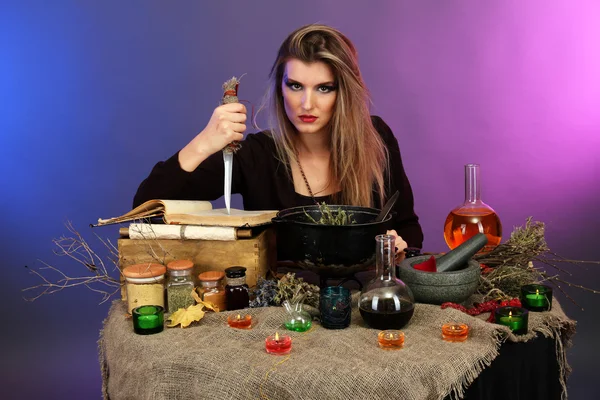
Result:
[{"x": 264, "y": 184}]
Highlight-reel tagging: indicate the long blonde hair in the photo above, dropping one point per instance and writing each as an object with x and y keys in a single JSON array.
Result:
[{"x": 359, "y": 155}]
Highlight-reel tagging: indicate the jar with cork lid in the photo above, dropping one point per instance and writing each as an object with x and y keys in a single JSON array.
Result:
[
  {"x": 145, "y": 285},
  {"x": 180, "y": 285},
  {"x": 211, "y": 288}
]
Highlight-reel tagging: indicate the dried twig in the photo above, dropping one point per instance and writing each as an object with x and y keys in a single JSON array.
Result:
[
  {"x": 100, "y": 277},
  {"x": 77, "y": 249},
  {"x": 510, "y": 265}
]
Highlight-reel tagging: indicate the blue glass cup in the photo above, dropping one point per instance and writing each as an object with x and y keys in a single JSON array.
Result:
[{"x": 335, "y": 306}]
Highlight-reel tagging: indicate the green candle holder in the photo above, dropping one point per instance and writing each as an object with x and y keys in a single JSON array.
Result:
[
  {"x": 516, "y": 318},
  {"x": 148, "y": 319},
  {"x": 297, "y": 319},
  {"x": 536, "y": 297}
]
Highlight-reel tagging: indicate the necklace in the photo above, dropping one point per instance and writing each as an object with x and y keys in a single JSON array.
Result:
[{"x": 306, "y": 181}]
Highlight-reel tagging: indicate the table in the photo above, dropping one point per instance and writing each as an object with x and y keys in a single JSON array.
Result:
[{"x": 211, "y": 360}]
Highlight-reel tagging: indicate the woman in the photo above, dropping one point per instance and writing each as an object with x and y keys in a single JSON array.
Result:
[{"x": 323, "y": 145}]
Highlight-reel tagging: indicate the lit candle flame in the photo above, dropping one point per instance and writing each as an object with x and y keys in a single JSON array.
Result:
[
  {"x": 276, "y": 336},
  {"x": 238, "y": 317},
  {"x": 510, "y": 314},
  {"x": 537, "y": 292}
]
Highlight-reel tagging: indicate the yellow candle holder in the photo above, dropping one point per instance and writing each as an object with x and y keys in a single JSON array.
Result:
[
  {"x": 390, "y": 339},
  {"x": 455, "y": 332}
]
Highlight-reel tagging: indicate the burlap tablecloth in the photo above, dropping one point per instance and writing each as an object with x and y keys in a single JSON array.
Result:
[{"x": 209, "y": 360}]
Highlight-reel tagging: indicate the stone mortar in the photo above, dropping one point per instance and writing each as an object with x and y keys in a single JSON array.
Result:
[{"x": 439, "y": 287}]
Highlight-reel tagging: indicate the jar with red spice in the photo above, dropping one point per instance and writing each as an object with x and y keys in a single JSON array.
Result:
[{"x": 211, "y": 288}]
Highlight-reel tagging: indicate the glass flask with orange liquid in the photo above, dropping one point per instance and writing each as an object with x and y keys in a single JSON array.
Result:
[{"x": 473, "y": 216}]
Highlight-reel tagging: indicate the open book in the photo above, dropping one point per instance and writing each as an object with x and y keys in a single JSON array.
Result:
[{"x": 192, "y": 212}]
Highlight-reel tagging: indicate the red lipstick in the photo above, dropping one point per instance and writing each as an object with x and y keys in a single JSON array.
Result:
[{"x": 307, "y": 118}]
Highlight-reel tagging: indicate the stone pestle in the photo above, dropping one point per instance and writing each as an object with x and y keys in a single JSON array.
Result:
[{"x": 457, "y": 258}]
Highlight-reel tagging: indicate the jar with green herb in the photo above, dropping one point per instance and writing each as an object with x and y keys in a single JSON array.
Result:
[{"x": 180, "y": 285}]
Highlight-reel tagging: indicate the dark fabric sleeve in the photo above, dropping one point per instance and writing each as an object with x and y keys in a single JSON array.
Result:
[
  {"x": 168, "y": 181},
  {"x": 406, "y": 222}
]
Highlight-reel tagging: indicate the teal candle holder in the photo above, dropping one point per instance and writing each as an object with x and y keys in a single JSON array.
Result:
[
  {"x": 536, "y": 297},
  {"x": 516, "y": 318},
  {"x": 335, "y": 306},
  {"x": 148, "y": 320}
]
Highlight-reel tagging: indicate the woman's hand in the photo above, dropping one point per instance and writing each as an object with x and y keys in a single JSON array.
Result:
[
  {"x": 400, "y": 245},
  {"x": 226, "y": 124}
]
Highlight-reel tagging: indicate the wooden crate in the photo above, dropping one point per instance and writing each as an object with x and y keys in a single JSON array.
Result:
[{"x": 258, "y": 254}]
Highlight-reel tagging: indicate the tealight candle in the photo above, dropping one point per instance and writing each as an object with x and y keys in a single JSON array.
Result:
[
  {"x": 148, "y": 319},
  {"x": 516, "y": 318},
  {"x": 239, "y": 322},
  {"x": 536, "y": 297},
  {"x": 455, "y": 332},
  {"x": 390, "y": 339},
  {"x": 278, "y": 344}
]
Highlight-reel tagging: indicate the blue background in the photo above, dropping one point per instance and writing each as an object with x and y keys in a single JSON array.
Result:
[{"x": 94, "y": 93}]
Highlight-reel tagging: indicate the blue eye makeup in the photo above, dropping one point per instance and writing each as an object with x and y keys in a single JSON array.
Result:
[
  {"x": 327, "y": 88},
  {"x": 295, "y": 86}
]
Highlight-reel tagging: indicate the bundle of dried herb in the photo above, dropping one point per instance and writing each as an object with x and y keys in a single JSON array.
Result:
[
  {"x": 275, "y": 292},
  {"x": 331, "y": 217},
  {"x": 289, "y": 286},
  {"x": 263, "y": 294},
  {"x": 513, "y": 264}
]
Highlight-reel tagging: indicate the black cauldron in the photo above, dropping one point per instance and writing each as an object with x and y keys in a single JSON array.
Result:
[{"x": 333, "y": 251}]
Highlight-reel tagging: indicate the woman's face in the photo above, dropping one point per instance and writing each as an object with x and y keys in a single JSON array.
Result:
[{"x": 309, "y": 94}]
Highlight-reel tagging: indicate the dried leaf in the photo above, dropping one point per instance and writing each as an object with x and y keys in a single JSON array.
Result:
[
  {"x": 209, "y": 305},
  {"x": 185, "y": 316}
]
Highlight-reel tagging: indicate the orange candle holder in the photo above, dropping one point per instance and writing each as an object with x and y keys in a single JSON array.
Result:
[
  {"x": 239, "y": 322},
  {"x": 390, "y": 339},
  {"x": 455, "y": 332},
  {"x": 278, "y": 344}
]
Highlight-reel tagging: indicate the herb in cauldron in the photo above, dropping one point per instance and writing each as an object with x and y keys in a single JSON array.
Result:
[{"x": 331, "y": 217}]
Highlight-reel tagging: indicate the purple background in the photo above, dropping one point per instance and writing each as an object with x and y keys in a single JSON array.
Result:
[{"x": 94, "y": 94}]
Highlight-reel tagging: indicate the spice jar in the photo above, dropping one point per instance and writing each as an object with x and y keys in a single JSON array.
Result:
[
  {"x": 145, "y": 285},
  {"x": 180, "y": 285},
  {"x": 236, "y": 291},
  {"x": 212, "y": 289}
]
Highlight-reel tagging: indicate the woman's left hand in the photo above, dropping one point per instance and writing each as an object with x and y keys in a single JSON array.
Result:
[{"x": 400, "y": 245}]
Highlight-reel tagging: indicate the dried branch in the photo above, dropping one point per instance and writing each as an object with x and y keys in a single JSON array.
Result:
[
  {"x": 510, "y": 265},
  {"x": 77, "y": 249}
]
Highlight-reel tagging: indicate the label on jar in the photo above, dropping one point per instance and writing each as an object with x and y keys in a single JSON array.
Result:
[
  {"x": 149, "y": 294},
  {"x": 236, "y": 281}
]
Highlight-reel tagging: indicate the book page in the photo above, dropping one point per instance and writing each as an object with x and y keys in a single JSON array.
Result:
[
  {"x": 219, "y": 217},
  {"x": 154, "y": 208},
  {"x": 185, "y": 206}
]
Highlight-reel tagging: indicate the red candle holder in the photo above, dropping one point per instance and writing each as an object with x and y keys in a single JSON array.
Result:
[
  {"x": 454, "y": 332},
  {"x": 278, "y": 344},
  {"x": 239, "y": 322},
  {"x": 390, "y": 339}
]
